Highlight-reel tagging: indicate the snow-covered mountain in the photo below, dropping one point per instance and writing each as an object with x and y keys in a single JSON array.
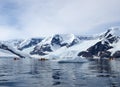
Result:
[
  {"x": 16, "y": 47},
  {"x": 57, "y": 45},
  {"x": 6, "y": 47},
  {"x": 28, "y": 43},
  {"x": 107, "y": 46},
  {"x": 68, "y": 45},
  {"x": 14, "y": 43},
  {"x": 55, "y": 42}
]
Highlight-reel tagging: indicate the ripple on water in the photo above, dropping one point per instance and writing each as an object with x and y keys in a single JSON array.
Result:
[{"x": 34, "y": 73}]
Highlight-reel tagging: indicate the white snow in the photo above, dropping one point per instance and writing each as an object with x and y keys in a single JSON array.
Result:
[
  {"x": 28, "y": 50},
  {"x": 61, "y": 53},
  {"x": 15, "y": 50},
  {"x": 4, "y": 53},
  {"x": 71, "y": 52},
  {"x": 73, "y": 60},
  {"x": 68, "y": 53},
  {"x": 65, "y": 38},
  {"x": 115, "y": 31},
  {"x": 23, "y": 43},
  {"x": 116, "y": 47},
  {"x": 47, "y": 40}
]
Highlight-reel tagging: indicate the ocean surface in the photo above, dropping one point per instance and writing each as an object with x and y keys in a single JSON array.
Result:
[{"x": 35, "y": 73}]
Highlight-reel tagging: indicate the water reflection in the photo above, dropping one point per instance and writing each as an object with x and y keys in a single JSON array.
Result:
[
  {"x": 56, "y": 75},
  {"x": 105, "y": 68},
  {"x": 102, "y": 67},
  {"x": 34, "y": 73}
]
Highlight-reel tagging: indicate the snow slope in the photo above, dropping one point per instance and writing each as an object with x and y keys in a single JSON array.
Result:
[
  {"x": 114, "y": 32},
  {"x": 7, "y": 47},
  {"x": 116, "y": 47},
  {"x": 74, "y": 50},
  {"x": 107, "y": 46},
  {"x": 29, "y": 43},
  {"x": 5, "y": 53},
  {"x": 55, "y": 42},
  {"x": 67, "y": 46}
]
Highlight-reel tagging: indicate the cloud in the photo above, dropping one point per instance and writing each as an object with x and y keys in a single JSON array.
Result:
[
  {"x": 82, "y": 16},
  {"x": 7, "y": 32},
  {"x": 34, "y": 18}
]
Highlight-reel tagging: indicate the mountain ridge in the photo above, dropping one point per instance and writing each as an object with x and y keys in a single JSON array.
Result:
[{"x": 63, "y": 45}]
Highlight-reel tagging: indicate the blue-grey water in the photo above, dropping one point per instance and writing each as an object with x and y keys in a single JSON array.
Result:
[{"x": 34, "y": 73}]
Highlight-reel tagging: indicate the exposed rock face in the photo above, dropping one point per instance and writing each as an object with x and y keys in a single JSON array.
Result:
[
  {"x": 59, "y": 40},
  {"x": 101, "y": 48},
  {"x": 55, "y": 42},
  {"x": 85, "y": 54},
  {"x": 29, "y": 43},
  {"x": 106, "y": 54},
  {"x": 75, "y": 41},
  {"x": 111, "y": 36},
  {"x": 42, "y": 49},
  {"x": 104, "y": 45},
  {"x": 116, "y": 54},
  {"x": 101, "y": 54},
  {"x": 5, "y": 47}
]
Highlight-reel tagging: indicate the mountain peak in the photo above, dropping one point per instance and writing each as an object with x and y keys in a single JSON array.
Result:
[
  {"x": 114, "y": 31},
  {"x": 111, "y": 32}
]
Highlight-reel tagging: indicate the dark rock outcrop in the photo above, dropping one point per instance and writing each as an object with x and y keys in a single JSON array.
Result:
[
  {"x": 32, "y": 42},
  {"x": 106, "y": 54},
  {"x": 75, "y": 41},
  {"x": 41, "y": 49},
  {"x": 57, "y": 41},
  {"x": 85, "y": 54},
  {"x": 116, "y": 54},
  {"x": 99, "y": 47},
  {"x": 5, "y": 47}
]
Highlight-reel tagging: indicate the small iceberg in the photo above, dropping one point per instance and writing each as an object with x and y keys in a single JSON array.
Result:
[{"x": 73, "y": 60}]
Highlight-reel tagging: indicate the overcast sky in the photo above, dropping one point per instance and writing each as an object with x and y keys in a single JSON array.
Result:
[{"x": 36, "y": 18}]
